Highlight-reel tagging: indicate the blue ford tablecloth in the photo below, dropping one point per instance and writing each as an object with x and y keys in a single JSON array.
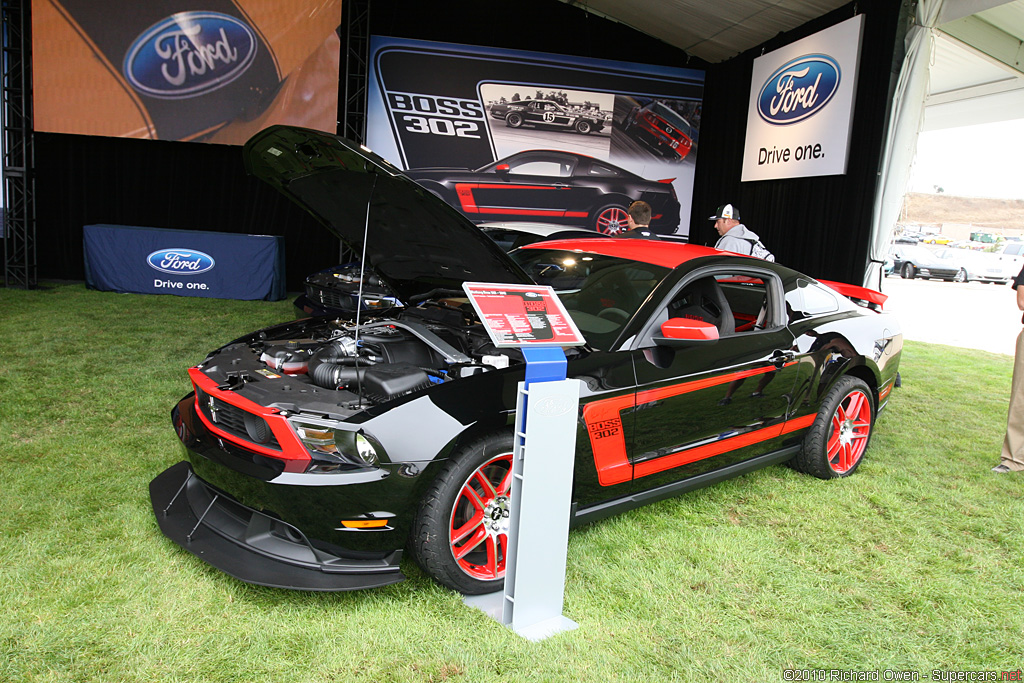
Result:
[{"x": 124, "y": 258}]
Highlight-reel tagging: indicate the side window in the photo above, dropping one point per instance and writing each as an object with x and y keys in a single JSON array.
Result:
[
  {"x": 808, "y": 300},
  {"x": 544, "y": 167},
  {"x": 747, "y": 299},
  {"x": 734, "y": 302},
  {"x": 601, "y": 170}
]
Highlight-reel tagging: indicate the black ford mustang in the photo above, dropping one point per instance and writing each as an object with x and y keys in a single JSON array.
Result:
[
  {"x": 317, "y": 450},
  {"x": 555, "y": 187},
  {"x": 546, "y": 114}
]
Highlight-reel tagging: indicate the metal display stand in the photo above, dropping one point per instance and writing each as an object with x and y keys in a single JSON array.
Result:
[{"x": 547, "y": 410}]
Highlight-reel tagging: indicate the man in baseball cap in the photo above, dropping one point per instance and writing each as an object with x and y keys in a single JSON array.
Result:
[{"x": 733, "y": 235}]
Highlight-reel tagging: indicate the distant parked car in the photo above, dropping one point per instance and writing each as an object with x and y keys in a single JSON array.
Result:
[
  {"x": 936, "y": 239},
  {"x": 912, "y": 261},
  {"x": 974, "y": 266},
  {"x": 907, "y": 238}
]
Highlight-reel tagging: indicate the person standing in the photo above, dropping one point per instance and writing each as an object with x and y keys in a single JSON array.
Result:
[
  {"x": 1012, "y": 459},
  {"x": 639, "y": 221},
  {"x": 733, "y": 235}
]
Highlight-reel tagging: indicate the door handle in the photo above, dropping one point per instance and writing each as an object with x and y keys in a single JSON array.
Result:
[{"x": 779, "y": 358}]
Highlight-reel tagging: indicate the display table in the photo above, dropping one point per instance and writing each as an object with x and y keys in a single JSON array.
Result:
[{"x": 124, "y": 258}]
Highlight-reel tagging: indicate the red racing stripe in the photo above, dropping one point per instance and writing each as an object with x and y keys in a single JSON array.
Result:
[{"x": 604, "y": 426}]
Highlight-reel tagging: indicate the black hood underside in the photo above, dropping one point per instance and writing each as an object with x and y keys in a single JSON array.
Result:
[{"x": 414, "y": 241}]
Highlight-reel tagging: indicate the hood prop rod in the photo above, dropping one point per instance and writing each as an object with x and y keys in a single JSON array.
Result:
[{"x": 362, "y": 279}]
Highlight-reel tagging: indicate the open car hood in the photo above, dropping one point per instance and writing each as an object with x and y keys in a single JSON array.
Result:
[{"x": 415, "y": 242}]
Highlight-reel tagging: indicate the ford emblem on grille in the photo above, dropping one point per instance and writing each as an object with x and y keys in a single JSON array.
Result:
[
  {"x": 798, "y": 90},
  {"x": 180, "y": 261},
  {"x": 189, "y": 54}
]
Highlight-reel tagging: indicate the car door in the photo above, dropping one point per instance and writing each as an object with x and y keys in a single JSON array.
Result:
[
  {"x": 536, "y": 186},
  {"x": 708, "y": 405}
]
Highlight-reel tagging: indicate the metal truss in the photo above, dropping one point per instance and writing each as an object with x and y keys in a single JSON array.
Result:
[
  {"x": 20, "y": 264},
  {"x": 357, "y": 51}
]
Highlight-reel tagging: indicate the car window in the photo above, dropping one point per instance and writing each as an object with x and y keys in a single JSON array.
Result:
[
  {"x": 808, "y": 299},
  {"x": 601, "y": 293},
  {"x": 546, "y": 167},
  {"x": 601, "y": 170},
  {"x": 737, "y": 302}
]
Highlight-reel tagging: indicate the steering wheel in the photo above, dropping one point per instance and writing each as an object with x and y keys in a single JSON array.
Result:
[{"x": 614, "y": 313}]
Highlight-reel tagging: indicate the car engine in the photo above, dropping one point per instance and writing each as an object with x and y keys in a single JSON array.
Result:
[{"x": 341, "y": 365}]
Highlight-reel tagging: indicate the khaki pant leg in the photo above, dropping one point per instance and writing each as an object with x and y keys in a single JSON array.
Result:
[{"x": 1013, "y": 443}]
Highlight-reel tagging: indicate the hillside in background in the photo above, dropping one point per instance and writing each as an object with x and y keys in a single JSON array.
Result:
[{"x": 1004, "y": 216}]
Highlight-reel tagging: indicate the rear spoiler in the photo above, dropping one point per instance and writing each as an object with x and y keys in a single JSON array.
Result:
[{"x": 861, "y": 296}]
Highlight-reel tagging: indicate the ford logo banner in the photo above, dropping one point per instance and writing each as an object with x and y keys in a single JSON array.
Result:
[
  {"x": 798, "y": 90},
  {"x": 180, "y": 261},
  {"x": 189, "y": 54}
]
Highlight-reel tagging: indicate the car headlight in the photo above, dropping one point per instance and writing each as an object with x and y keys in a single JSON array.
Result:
[{"x": 326, "y": 440}]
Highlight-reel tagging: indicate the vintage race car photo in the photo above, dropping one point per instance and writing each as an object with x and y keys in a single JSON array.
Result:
[
  {"x": 555, "y": 187},
  {"x": 661, "y": 129},
  {"x": 317, "y": 451},
  {"x": 548, "y": 114}
]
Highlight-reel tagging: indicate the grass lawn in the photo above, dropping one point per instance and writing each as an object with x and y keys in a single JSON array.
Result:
[{"x": 916, "y": 563}]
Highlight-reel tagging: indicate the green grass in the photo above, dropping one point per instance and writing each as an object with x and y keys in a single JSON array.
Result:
[{"x": 917, "y": 562}]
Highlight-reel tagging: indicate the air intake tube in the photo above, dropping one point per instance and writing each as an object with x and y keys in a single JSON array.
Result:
[{"x": 331, "y": 367}]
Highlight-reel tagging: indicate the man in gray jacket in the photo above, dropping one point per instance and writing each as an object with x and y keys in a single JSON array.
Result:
[{"x": 733, "y": 235}]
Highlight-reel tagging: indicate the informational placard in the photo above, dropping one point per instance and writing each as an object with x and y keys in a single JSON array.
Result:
[
  {"x": 801, "y": 106},
  {"x": 520, "y": 315}
]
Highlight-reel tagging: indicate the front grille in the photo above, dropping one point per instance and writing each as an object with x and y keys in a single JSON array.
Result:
[{"x": 236, "y": 421}]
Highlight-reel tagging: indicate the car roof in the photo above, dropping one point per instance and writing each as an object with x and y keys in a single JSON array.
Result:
[{"x": 655, "y": 252}]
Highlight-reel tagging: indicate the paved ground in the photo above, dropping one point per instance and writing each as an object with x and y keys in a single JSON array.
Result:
[{"x": 971, "y": 315}]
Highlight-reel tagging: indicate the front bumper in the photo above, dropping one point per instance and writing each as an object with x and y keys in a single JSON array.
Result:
[{"x": 255, "y": 547}]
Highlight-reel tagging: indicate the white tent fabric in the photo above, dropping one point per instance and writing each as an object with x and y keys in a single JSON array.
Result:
[{"x": 904, "y": 125}]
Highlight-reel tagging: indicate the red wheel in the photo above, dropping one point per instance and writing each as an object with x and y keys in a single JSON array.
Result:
[
  {"x": 460, "y": 535},
  {"x": 478, "y": 531},
  {"x": 611, "y": 220},
  {"x": 836, "y": 442},
  {"x": 851, "y": 428}
]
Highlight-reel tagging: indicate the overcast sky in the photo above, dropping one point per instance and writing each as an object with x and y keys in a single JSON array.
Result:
[{"x": 974, "y": 161}]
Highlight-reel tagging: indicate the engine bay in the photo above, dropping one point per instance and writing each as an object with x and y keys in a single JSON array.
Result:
[{"x": 331, "y": 366}]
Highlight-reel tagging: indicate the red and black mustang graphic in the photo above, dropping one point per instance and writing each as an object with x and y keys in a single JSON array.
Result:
[
  {"x": 546, "y": 114},
  {"x": 662, "y": 130},
  {"x": 317, "y": 450},
  {"x": 555, "y": 187}
]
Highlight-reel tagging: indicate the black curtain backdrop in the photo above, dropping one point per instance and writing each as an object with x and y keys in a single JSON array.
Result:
[
  {"x": 817, "y": 225},
  {"x": 820, "y": 226}
]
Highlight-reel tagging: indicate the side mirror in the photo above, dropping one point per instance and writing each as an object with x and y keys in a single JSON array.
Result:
[
  {"x": 684, "y": 332},
  {"x": 501, "y": 168}
]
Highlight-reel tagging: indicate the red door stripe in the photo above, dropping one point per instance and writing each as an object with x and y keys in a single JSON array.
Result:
[{"x": 604, "y": 426}]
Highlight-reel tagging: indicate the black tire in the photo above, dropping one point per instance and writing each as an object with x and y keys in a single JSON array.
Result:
[
  {"x": 584, "y": 127},
  {"x": 514, "y": 120},
  {"x": 850, "y": 408},
  {"x": 908, "y": 272},
  {"x": 444, "y": 524},
  {"x": 961, "y": 276}
]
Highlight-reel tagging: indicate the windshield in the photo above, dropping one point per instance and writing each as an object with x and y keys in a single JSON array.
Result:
[{"x": 601, "y": 293}]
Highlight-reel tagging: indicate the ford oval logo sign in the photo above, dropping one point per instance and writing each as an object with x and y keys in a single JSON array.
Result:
[
  {"x": 180, "y": 261},
  {"x": 798, "y": 90},
  {"x": 189, "y": 54}
]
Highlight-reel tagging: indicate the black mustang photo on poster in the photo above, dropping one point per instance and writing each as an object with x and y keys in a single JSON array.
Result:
[
  {"x": 555, "y": 187},
  {"x": 317, "y": 451},
  {"x": 546, "y": 114}
]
